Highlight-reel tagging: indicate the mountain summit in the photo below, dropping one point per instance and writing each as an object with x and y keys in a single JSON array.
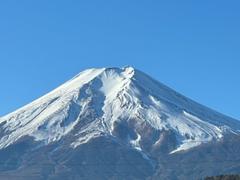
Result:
[{"x": 124, "y": 106}]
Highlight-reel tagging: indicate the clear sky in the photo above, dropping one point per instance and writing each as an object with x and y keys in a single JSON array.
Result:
[{"x": 191, "y": 46}]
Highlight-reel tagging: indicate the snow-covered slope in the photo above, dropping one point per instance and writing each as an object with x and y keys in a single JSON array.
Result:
[{"x": 90, "y": 105}]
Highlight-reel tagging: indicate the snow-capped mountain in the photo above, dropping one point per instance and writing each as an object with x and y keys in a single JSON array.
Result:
[
  {"x": 122, "y": 104},
  {"x": 109, "y": 96}
]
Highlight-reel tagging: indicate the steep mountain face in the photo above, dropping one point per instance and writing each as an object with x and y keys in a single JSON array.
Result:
[{"x": 114, "y": 123}]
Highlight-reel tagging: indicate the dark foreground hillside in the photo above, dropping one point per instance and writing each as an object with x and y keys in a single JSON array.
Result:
[{"x": 224, "y": 177}]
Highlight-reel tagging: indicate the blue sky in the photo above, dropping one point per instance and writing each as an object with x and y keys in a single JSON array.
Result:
[{"x": 191, "y": 46}]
